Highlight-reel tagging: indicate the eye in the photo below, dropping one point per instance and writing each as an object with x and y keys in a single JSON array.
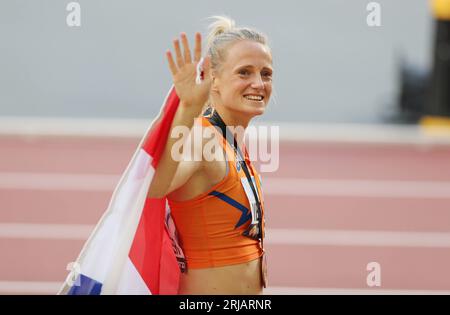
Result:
[
  {"x": 267, "y": 74},
  {"x": 244, "y": 72}
]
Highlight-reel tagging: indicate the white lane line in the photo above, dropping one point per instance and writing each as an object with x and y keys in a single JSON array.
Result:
[
  {"x": 344, "y": 291},
  {"x": 356, "y": 188},
  {"x": 271, "y": 186},
  {"x": 30, "y": 287},
  {"x": 357, "y": 238},
  {"x": 273, "y": 236},
  {"x": 45, "y": 231},
  {"x": 67, "y": 127},
  {"x": 51, "y": 287},
  {"x": 363, "y": 133},
  {"x": 58, "y": 181},
  {"x": 300, "y": 131}
]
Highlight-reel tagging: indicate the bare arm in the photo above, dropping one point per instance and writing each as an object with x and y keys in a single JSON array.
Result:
[
  {"x": 192, "y": 98},
  {"x": 167, "y": 166}
]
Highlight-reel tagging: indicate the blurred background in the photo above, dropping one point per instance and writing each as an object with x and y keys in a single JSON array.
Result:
[
  {"x": 360, "y": 95},
  {"x": 330, "y": 65}
]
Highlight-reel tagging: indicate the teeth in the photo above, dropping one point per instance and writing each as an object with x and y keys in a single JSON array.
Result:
[{"x": 254, "y": 97}]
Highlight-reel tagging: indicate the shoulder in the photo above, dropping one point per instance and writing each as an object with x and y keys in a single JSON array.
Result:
[{"x": 213, "y": 152}]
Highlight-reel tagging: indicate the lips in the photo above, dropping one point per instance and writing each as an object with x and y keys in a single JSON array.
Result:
[{"x": 254, "y": 97}]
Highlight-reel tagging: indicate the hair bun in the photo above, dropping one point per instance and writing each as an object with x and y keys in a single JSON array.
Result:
[{"x": 220, "y": 25}]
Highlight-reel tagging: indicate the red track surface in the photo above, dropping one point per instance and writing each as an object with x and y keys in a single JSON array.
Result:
[{"x": 291, "y": 264}]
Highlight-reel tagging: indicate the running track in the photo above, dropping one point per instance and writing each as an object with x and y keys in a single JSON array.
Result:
[{"x": 332, "y": 207}]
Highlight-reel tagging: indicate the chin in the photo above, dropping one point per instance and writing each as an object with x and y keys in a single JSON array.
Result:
[
  {"x": 256, "y": 112},
  {"x": 260, "y": 111}
]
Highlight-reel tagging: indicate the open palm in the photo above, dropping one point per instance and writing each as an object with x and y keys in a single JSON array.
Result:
[{"x": 184, "y": 73}]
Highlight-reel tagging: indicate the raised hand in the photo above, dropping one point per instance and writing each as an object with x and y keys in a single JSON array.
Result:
[{"x": 184, "y": 73}]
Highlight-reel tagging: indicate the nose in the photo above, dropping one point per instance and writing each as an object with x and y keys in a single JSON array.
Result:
[{"x": 258, "y": 82}]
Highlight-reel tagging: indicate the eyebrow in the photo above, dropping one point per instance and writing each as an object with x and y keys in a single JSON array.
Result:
[{"x": 251, "y": 66}]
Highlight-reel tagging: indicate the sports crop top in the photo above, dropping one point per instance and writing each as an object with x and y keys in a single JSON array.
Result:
[{"x": 210, "y": 225}]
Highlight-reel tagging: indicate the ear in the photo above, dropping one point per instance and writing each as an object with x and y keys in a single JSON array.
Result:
[{"x": 214, "y": 82}]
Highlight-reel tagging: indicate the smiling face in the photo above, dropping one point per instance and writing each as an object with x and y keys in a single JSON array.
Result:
[{"x": 243, "y": 83}]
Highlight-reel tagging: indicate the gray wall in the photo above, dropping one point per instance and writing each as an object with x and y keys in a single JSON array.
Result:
[{"x": 329, "y": 65}]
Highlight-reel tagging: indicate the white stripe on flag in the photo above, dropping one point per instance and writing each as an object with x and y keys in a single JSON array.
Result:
[
  {"x": 130, "y": 200},
  {"x": 107, "y": 249},
  {"x": 131, "y": 282}
]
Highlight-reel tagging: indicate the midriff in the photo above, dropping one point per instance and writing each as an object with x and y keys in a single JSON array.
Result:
[{"x": 239, "y": 279}]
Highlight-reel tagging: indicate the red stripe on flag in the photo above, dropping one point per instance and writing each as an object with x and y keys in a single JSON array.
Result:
[
  {"x": 169, "y": 270},
  {"x": 152, "y": 252},
  {"x": 156, "y": 138},
  {"x": 145, "y": 251}
]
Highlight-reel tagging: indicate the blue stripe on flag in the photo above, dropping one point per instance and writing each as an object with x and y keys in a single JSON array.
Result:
[{"x": 87, "y": 286}]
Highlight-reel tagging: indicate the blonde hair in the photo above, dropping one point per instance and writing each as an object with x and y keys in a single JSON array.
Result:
[{"x": 222, "y": 33}]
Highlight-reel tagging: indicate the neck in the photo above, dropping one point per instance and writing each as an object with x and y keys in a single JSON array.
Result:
[{"x": 234, "y": 119}]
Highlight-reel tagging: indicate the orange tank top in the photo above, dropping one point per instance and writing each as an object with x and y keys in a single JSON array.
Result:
[{"x": 210, "y": 225}]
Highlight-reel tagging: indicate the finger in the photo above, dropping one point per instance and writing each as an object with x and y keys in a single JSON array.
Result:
[
  {"x": 179, "y": 57},
  {"x": 186, "y": 49},
  {"x": 198, "y": 47},
  {"x": 172, "y": 66}
]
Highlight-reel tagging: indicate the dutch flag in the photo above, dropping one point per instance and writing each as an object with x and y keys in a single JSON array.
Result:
[{"x": 133, "y": 249}]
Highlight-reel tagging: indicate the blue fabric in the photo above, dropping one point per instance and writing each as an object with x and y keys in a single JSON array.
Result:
[
  {"x": 87, "y": 286},
  {"x": 246, "y": 214}
]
